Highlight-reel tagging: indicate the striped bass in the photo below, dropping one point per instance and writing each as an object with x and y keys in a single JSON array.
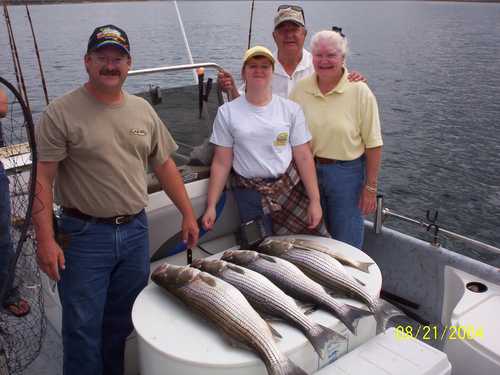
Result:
[
  {"x": 227, "y": 308},
  {"x": 295, "y": 283},
  {"x": 332, "y": 275},
  {"x": 268, "y": 299},
  {"x": 313, "y": 245}
]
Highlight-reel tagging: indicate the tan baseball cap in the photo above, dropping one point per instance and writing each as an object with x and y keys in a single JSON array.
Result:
[
  {"x": 292, "y": 14},
  {"x": 258, "y": 51}
]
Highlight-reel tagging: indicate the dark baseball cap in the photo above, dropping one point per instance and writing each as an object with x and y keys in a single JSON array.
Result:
[{"x": 109, "y": 35}]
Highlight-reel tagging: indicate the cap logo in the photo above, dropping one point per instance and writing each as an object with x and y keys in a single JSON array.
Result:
[{"x": 111, "y": 34}]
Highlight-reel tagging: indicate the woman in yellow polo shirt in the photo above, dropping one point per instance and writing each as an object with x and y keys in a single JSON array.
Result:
[{"x": 346, "y": 139}]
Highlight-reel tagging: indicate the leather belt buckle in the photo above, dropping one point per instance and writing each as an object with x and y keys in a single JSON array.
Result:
[{"x": 121, "y": 220}]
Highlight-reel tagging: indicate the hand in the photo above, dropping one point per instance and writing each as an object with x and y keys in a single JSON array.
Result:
[
  {"x": 190, "y": 231},
  {"x": 314, "y": 214},
  {"x": 208, "y": 219},
  {"x": 226, "y": 83},
  {"x": 356, "y": 77},
  {"x": 50, "y": 258},
  {"x": 367, "y": 201}
]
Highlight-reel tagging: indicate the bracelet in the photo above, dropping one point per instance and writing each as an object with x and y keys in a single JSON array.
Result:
[{"x": 371, "y": 189}]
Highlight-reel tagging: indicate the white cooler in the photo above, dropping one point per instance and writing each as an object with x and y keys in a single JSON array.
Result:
[
  {"x": 389, "y": 354},
  {"x": 173, "y": 340}
]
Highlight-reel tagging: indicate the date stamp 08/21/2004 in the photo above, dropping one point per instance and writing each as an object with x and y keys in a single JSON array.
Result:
[{"x": 438, "y": 333}]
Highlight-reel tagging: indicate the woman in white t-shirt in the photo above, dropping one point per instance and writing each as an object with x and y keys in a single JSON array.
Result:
[{"x": 258, "y": 135}]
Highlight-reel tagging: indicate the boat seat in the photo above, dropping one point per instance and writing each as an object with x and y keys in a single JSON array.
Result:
[
  {"x": 389, "y": 353},
  {"x": 479, "y": 352}
]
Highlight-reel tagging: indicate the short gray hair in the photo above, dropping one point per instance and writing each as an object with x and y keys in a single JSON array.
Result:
[{"x": 332, "y": 38}]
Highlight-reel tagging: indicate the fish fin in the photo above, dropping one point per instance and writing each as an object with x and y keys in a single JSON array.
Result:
[
  {"x": 268, "y": 317},
  {"x": 322, "y": 337},
  {"x": 235, "y": 268},
  {"x": 352, "y": 315},
  {"x": 277, "y": 336},
  {"x": 359, "y": 281},
  {"x": 268, "y": 258},
  {"x": 210, "y": 280},
  {"x": 337, "y": 293},
  {"x": 307, "y": 307},
  {"x": 362, "y": 266},
  {"x": 383, "y": 312},
  {"x": 290, "y": 368},
  {"x": 310, "y": 245}
]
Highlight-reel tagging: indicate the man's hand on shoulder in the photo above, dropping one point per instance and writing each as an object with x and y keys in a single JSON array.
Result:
[{"x": 355, "y": 76}]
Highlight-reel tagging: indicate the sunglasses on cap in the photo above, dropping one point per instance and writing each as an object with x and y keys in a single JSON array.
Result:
[
  {"x": 338, "y": 30},
  {"x": 294, "y": 7}
]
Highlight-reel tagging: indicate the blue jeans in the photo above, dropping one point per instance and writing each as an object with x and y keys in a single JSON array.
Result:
[
  {"x": 340, "y": 188},
  {"x": 106, "y": 267},
  {"x": 250, "y": 207},
  {"x": 6, "y": 247}
]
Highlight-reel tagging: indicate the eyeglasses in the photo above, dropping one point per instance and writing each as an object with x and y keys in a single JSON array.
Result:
[
  {"x": 338, "y": 30},
  {"x": 293, "y": 7},
  {"x": 115, "y": 61}
]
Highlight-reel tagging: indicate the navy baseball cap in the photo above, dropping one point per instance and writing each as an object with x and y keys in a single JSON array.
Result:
[{"x": 108, "y": 35}]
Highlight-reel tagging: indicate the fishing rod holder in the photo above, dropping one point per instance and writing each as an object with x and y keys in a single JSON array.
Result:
[{"x": 382, "y": 213}]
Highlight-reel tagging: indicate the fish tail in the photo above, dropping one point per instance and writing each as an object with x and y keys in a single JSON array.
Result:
[
  {"x": 291, "y": 368},
  {"x": 383, "y": 312},
  {"x": 351, "y": 317},
  {"x": 322, "y": 337},
  {"x": 364, "y": 266}
]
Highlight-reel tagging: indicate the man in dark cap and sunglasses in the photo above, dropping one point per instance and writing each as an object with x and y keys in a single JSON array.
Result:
[
  {"x": 293, "y": 62},
  {"x": 96, "y": 143}
]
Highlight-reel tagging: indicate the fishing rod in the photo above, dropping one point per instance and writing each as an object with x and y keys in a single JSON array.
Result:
[
  {"x": 186, "y": 43},
  {"x": 42, "y": 76},
  {"x": 15, "y": 56},
  {"x": 251, "y": 22}
]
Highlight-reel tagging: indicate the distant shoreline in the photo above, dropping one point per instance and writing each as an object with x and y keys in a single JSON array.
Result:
[{"x": 36, "y": 2}]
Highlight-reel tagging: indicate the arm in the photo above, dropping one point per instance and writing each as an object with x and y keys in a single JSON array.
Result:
[
  {"x": 367, "y": 200},
  {"x": 227, "y": 84},
  {"x": 305, "y": 164},
  {"x": 49, "y": 253},
  {"x": 219, "y": 171},
  {"x": 4, "y": 104},
  {"x": 172, "y": 184}
]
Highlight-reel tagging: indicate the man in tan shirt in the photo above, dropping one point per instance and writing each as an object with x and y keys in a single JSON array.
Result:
[{"x": 96, "y": 143}]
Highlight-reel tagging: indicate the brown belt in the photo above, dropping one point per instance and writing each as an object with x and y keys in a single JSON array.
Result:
[
  {"x": 321, "y": 160},
  {"x": 117, "y": 220}
]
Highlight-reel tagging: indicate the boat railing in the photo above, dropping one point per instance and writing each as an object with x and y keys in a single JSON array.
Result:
[
  {"x": 382, "y": 213},
  {"x": 174, "y": 68}
]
